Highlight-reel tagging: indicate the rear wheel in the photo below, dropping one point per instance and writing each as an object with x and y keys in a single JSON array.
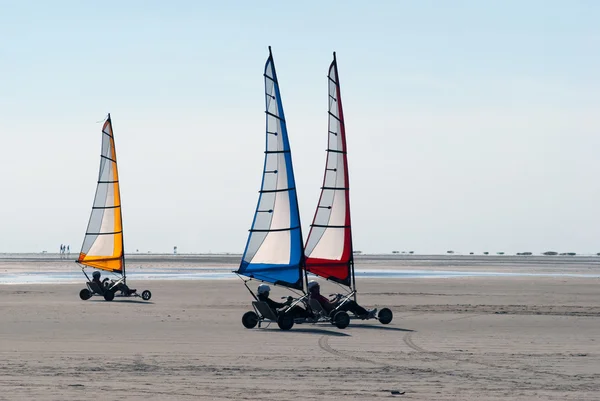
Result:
[
  {"x": 146, "y": 295},
  {"x": 109, "y": 296},
  {"x": 85, "y": 294},
  {"x": 385, "y": 316},
  {"x": 285, "y": 322},
  {"x": 249, "y": 320},
  {"x": 341, "y": 320}
]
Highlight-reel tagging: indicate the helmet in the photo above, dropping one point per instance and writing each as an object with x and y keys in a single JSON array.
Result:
[
  {"x": 312, "y": 284},
  {"x": 263, "y": 288},
  {"x": 96, "y": 275}
]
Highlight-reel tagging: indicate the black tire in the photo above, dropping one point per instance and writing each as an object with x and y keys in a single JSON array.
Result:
[
  {"x": 341, "y": 320},
  {"x": 146, "y": 295},
  {"x": 385, "y": 316},
  {"x": 85, "y": 294},
  {"x": 109, "y": 296},
  {"x": 285, "y": 321},
  {"x": 250, "y": 320}
]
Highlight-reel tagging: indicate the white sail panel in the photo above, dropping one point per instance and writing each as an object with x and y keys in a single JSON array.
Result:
[
  {"x": 103, "y": 243},
  {"x": 274, "y": 248},
  {"x": 329, "y": 244}
]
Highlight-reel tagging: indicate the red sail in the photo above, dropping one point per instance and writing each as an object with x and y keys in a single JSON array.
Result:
[{"x": 329, "y": 244}]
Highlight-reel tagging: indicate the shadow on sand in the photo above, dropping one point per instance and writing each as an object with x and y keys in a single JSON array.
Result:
[
  {"x": 123, "y": 301},
  {"x": 309, "y": 330},
  {"x": 379, "y": 327}
]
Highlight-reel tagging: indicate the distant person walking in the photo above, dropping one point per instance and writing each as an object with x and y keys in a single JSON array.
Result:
[{"x": 68, "y": 249}]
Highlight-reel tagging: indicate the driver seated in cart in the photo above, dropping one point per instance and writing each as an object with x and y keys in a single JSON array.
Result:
[
  {"x": 296, "y": 311},
  {"x": 96, "y": 279},
  {"x": 314, "y": 291}
]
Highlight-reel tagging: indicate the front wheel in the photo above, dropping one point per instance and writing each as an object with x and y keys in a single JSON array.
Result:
[
  {"x": 146, "y": 295},
  {"x": 385, "y": 316},
  {"x": 109, "y": 296},
  {"x": 285, "y": 321},
  {"x": 341, "y": 320},
  {"x": 250, "y": 320},
  {"x": 85, "y": 294}
]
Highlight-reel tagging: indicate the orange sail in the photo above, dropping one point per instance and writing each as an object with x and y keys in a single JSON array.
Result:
[{"x": 103, "y": 243}]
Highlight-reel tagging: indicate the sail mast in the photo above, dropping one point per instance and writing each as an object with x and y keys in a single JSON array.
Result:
[
  {"x": 274, "y": 250},
  {"x": 329, "y": 243},
  {"x": 103, "y": 242},
  {"x": 120, "y": 208},
  {"x": 343, "y": 135}
]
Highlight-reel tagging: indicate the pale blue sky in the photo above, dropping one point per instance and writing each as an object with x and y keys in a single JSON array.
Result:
[{"x": 472, "y": 125}]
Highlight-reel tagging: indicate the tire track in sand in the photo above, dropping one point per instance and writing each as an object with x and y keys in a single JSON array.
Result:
[
  {"x": 408, "y": 341},
  {"x": 324, "y": 345}
]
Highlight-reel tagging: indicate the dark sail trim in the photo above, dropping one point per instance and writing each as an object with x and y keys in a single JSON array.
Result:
[
  {"x": 108, "y": 158},
  {"x": 276, "y": 190},
  {"x": 326, "y": 226},
  {"x": 273, "y": 229}
]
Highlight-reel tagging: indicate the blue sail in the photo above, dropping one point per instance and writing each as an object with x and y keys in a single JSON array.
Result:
[{"x": 274, "y": 251}]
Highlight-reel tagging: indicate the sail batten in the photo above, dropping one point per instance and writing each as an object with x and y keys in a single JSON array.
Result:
[
  {"x": 103, "y": 242},
  {"x": 329, "y": 244},
  {"x": 274, "y": 250}
]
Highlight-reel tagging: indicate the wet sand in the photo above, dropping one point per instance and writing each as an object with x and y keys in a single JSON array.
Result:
[{"x": 479, "y": 338}]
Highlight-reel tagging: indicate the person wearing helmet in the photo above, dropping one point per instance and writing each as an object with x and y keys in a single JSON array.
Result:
[
  {"x": 96, "y": 279},
  {"x": 263, "y": 295},
  {"x": 314, "y": 291}
]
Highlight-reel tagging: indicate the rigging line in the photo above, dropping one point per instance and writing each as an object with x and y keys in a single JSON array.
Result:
[{"x": 273, "y": 229}]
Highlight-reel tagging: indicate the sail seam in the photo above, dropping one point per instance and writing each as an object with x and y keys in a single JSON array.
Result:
[
  {"x": 336, "y": 151},
  {"x": 116, "y": 232},
  {"x": 106, "y": 207},
  {"x": 106, "y": 133},
  {"x": 276, "y": 151},
  {"x": 107, "y": 182}
]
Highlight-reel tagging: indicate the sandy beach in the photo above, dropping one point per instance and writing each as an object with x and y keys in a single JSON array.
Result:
[{"x": 463, "y": 338}]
